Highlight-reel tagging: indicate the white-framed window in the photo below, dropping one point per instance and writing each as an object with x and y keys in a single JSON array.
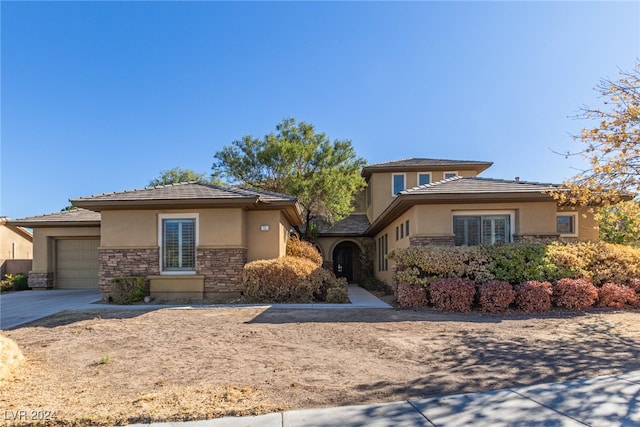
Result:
[
  {"x": 178, "y": 240},
  {"x": 450, "y": 174},
  {"x": 489, "y": 227},
  {"x": 397, "y": 183},
  {"x": 424, "y": 178},
  {"x": 567, "y": 224}
]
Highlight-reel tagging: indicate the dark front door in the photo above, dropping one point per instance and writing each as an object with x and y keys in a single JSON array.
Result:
[{"x": 343, "y": 261}]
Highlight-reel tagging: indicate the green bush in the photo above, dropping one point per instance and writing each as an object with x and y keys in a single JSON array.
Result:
[
  {"x": 6, "y": 285},
  {"x": 20, "y": 282},
  {"x": 127, "y": 290}
]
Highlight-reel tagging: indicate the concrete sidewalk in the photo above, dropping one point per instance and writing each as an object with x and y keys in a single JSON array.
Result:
[{"x": 612, "y": 400}]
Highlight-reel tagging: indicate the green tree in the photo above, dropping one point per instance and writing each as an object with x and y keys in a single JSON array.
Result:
[
  {"x": 324, "y": 175},
  {"x": 612, "y": 146},
  {"x": 177, "y": 175},
  {"x": 620, "y": 223}
]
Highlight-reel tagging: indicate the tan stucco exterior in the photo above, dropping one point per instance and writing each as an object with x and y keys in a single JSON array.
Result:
[
  {"x": 15, "y": 242},
  {"x": 381, "y": 192},
  {"x": 44, "y": 244}
]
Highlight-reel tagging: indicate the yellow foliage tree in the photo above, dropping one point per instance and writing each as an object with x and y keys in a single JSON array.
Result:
[{"x": 612, "y": 145}]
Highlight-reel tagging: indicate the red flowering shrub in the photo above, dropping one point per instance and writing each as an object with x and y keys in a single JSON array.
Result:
[
  {"x": 534, "y": 297},
  {"x": 453, "y": 294},
  {"x": 496, "y": 296},
  {"x": 411, "y": 295},
  {"x": 635, "y": 285},
  {"x": 575, "y": 294},
  {"x": 617, "y": 296}
]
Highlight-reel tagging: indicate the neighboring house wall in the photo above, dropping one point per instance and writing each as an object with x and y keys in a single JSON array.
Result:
[
  {"x": 385, "y": 241},
  {"x": 15, "y": 243}
]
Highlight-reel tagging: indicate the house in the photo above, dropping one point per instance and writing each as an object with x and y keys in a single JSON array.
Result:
[
  {"x": 16, "y": 248},
  {"x": 433, "y": 201},
  {"x": 192, "y": 240},
  {"x": 187, "y": 240}
]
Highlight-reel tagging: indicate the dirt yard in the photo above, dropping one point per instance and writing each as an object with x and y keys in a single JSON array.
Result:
[{"x": 131, "y": 366}]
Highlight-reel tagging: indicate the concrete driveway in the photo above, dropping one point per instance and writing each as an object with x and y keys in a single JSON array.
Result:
[{"x": 17, "y": 308}]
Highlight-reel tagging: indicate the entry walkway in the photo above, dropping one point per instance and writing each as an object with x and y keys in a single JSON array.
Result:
[{"x": 612, "y": 400}]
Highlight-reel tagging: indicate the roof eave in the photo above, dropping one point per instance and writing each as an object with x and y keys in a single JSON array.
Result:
[
  {"x": 36, "y": 224},
  {"x": 99, "y": 205},
  {"x": 367, "y": 171}
]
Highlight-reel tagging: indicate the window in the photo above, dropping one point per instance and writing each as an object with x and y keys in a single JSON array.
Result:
[
  {"x": 397, "y": 234},
  {"x": 406, "y": 228},
  {"x": 398, "y": 183},
  {"x": 452, "y": 174},
  {"x": 566, "y": 224},
  {"x": 424, "y": 178},
  {"x": 383, "y": 249},
  {"x": 401, "y": 231},
  {"x": 178, "y": 241},
  {"x": 472, "y": 230}
]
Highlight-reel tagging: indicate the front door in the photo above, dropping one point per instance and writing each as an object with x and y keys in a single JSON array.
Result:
[{"x": 343, "y": 261}]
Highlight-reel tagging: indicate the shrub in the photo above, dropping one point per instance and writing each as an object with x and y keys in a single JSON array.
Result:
[
  {"x": 453, "y": 294},
  {"x": 10, "y": 357},
  {"x": 326, "y": 280},
  {"x": 617, "y": 296},
  {"x": 20, "y": 282},
  {"x": 302, "y": 249},
  {"x": 635, "y": 285},
  {"x": 337, "y": 296},
  {"x": 411, "y": 295},
  {"x": 127, "y": 290},
  {"x": 496, "y": 296},
  {"x": 533, "y": 296},
  {"x": 518, "y": 262},
  {"x": 6, "y": 285},
  {"x": 575, "y": 294},
  {"x": 286, "y": 279}
]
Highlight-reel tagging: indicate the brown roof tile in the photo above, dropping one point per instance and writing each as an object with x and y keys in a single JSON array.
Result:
[
  {"x": 423, "y": 164},
  {"x": 79, "y": 217}
]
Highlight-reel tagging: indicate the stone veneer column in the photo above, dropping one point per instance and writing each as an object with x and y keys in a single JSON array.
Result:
[
  {"x": 431, "y": 240},
  {"x": 221, "y": 268},
  {"x": 40, "y": 280},
  {"x": 126, "y": 262}
]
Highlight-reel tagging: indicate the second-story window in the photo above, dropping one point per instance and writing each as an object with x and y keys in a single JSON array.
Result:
[
  {"x": 398, "y": 183},
  {"x": 424, "y": 178}
]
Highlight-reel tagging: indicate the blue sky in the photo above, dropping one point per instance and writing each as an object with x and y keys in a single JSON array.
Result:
[{"x": 102, "y": 96}]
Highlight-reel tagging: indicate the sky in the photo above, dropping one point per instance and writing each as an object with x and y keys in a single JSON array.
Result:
[{"x": 98, "y": 97}]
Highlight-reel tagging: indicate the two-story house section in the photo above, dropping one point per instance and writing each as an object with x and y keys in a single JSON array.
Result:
[{"x": 443, "y": 202}]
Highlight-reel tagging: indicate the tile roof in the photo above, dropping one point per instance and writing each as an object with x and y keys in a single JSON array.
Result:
[
  {"x": 476, "y": 185},
  {"x": 186, "y": 191},
  {"x": 73, "y": 217},
  {"x": 416, "y": 163},
  {"x": 354, "y": 224}
]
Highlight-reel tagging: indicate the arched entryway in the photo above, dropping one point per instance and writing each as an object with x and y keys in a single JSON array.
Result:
[{"x": 346, "y": 261}]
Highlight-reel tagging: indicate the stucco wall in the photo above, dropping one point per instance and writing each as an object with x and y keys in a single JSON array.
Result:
[
  {"x": 432, "y": 222},
  {"x": 381, "y": 189},
  {"x": 268, "y": 244},
  {"x": 14, "y": 245},
  {"x": 43, "y": 244}
]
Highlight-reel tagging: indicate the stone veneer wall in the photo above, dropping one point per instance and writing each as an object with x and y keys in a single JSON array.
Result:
[
  {"x": 40, "y": 280},
  {"x": 431, "y": 240},
  {"x": 221, "y": 268},
  {"x": 112, "y": 263}
]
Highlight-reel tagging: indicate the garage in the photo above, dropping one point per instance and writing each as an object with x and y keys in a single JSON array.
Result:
[{"x": 76, "y": 263}]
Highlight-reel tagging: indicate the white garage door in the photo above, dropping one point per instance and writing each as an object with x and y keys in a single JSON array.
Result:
[{"x": 77, "y": 263}]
